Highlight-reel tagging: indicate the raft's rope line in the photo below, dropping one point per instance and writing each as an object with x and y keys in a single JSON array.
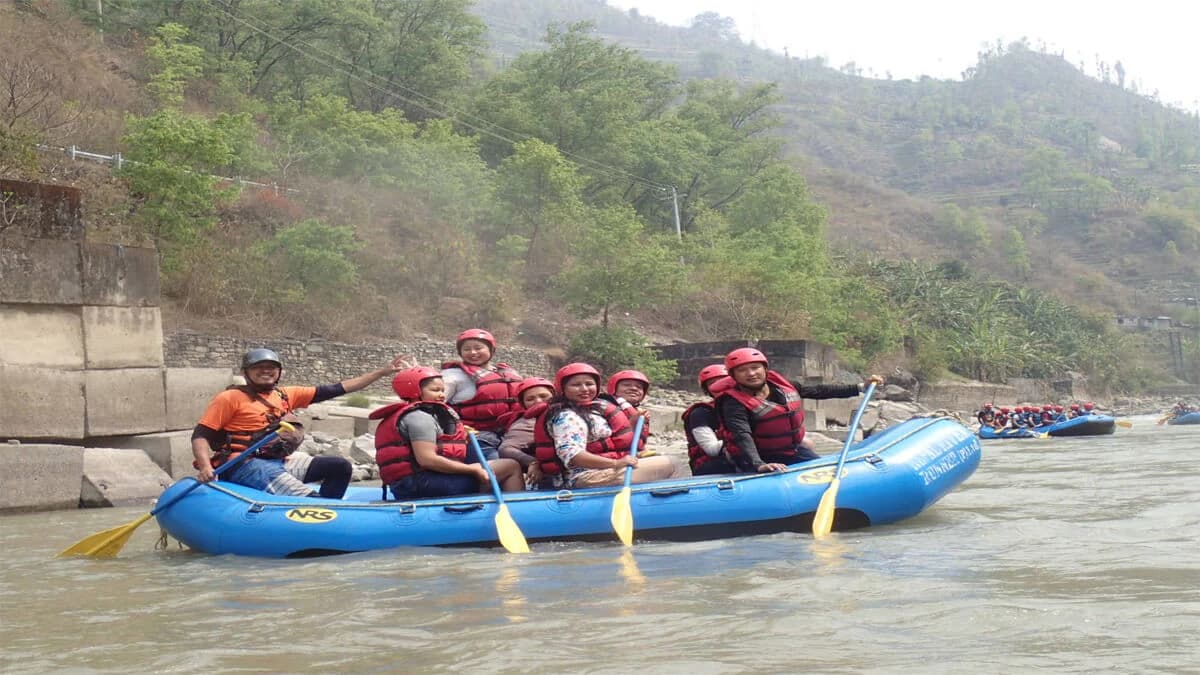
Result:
[{"x": 591, "y": 493}]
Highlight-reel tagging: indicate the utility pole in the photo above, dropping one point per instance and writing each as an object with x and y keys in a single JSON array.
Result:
[
  {"x": 100, "y": 17},
  {"x": 675, "y": 207}
]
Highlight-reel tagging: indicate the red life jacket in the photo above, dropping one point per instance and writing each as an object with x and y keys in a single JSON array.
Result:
[
  {"x": 631, "y": 413},
  {"x": 394, "y": 453},
  {"x": 777, "y": 429},
  {"x": 495, "y": 394},
  {"x": 696, "y": 455},
  {"x": 613, "y": 447}
]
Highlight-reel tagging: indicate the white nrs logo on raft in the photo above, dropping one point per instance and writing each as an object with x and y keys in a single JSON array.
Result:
[{"x": 311, "y": 516}]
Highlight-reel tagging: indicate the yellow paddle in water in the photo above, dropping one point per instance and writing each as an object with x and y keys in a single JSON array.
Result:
[
  {"x": 622, "y": 511},
  {"x": 1125, "y": 424},
  {"x": 108, "y": 544},
  {"x": 823, "y": 520},
  {"x": 511, "y": 537}
]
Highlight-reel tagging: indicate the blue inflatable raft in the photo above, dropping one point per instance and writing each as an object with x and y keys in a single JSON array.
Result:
[
  {"x": 1189, "y": 418},
  {"x": 1084, "y": 425},
  {"x": 890, "y": 476}
]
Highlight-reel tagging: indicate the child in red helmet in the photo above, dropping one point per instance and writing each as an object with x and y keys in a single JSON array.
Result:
[{"x": 421, "y": 446}]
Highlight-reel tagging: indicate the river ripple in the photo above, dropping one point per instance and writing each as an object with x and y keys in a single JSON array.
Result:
[{"x": 1071, "y": 555}]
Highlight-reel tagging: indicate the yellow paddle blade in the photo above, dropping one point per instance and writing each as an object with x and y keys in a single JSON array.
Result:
[
  {"x": 1125, "y": 424},
  {"x": 106, "y": 544},
  {"x": 511, "y": 537},
  {"x": 622, "y": 516},
  {"x": 823, "y": 520}
]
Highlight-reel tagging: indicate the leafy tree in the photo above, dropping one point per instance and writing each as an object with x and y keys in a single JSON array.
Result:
[
  {"x": 174, "y": 64},
  {"x": 172, "y": 156},
  {"x": 612, "y": 348},
  {"x": 618, "y": 265},
  {"x": 540, "y": 192},
  {"x": 311, "y": 262},
  {"x": 1016, "y": 252},
  {"x": 581, "y": 95}
]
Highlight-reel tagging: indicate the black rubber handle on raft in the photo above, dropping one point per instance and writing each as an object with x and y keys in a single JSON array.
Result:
[
  {"x": 466, "y": 508},
  {"x": 670, "y": 492}
]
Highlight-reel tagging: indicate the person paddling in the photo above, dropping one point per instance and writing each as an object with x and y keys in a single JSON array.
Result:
[{"x": 239, "y": 416}]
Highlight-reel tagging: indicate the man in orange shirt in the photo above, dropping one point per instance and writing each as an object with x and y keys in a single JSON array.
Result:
[{"x": 239, "y": 416}]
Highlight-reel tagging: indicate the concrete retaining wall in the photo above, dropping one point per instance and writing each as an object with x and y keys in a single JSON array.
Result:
[
  {"x": 189, "y": 391},
  {"x": 122, "y": 337},
  {"x": 46, "y": 336},
  {"x": 125, "y": 401},
  {"x": 963, "y": 395},
  {"x": 118, "y": 477},
  {"x": 41, "y": 403},
  {"x": 39, "y": 477},
  {"x": 171, "y": 451}
]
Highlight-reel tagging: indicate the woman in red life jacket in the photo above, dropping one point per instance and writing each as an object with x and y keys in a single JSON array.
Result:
[
  {"x": 533, "y": 393},
  {"x": 421, "y": 445},
  {"x": 762, "y": 416},
  {"x": 582, "y": 440},
  {"x": 706, "y": 450},
  {"x": 479, "y": 391}
]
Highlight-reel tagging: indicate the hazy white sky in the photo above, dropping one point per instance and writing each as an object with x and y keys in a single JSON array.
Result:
[{"x": 1153, "y": 39}]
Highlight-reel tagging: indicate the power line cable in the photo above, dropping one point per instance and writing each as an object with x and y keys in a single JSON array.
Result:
[{"x": 429, "y": 104}]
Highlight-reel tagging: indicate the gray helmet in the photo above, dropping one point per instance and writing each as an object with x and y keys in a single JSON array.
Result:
[{"x": 259, "y": 356}]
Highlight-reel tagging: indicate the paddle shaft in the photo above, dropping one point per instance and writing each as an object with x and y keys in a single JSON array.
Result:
[
  {"x": 486, "y": 467},
  {"x": 248, "y": 452},
  {"x": 633, "y": 449},
  {"x": 862, "y": 407}
]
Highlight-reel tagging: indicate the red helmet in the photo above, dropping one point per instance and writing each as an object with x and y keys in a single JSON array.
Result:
[
  {"x": 635, "y": 375},
  {"x": 1047, "y": 408},
  {"x": 574, "y": 369},
  {"x": 722, "y": 384},
  {"x": 1089, "y": 406},
  {"x": 530, "y": 383},
  {"x": 987, "y": 406},
  {"x": 1005, "y": 410},
  {"x": 1074, "y": 406},
  {"x": 709, "y": 372},
  {"x": 407, "y": 383},
  {"x": 743, "y": 356},
  {"x": 1058, "y": 408},
  {"x": 475, "y": 334}
]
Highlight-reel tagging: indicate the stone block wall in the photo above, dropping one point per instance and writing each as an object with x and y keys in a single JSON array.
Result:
[
  {"x": 318, "y": 361},
  {"x": 964, "y": 395},
  {"x": 80, "y": 328}
]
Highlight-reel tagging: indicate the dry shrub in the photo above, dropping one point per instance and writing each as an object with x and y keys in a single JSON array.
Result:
[{"x": 59, "y": 82}]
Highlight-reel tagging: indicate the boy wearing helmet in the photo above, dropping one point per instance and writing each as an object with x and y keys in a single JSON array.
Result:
[
  {"x": 422, "y": 446},
  {"x": 480, "y": 391},
  {"x": 238, "y": 416},
  {"x": 706, "y": 450},
  {"x": 762, "y": 415}
]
